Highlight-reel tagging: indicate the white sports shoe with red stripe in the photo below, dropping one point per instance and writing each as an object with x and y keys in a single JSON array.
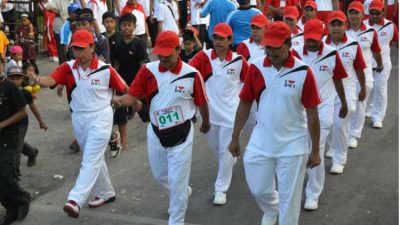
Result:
[{"x": 72, "y": 209}]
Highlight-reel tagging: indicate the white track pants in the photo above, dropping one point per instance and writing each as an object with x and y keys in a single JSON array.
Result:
[
  {"x": 316, "y": 175},
  {"x": 171, "y": 168},
  {"x": 218, "y": 140},
  {"x": 92, "y": 131},
  {"x": 260, "y": 175},
  {"x": 379, "y": 102},
  {"x": 340, "y": 132},
  {"x": 358, "y": 118}
]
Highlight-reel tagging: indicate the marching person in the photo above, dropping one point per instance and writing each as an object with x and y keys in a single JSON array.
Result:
[
  {"x": 174, "y": 90},
  {"x": 309, "y": 12},
  {"x": 353, "y": 61},
  {"x": 290, "y": 17},
  {"x": 387, "y": 34},
  {"x": 367, "y": 37},
  {"x": 327, "y": 66},
  {"x": 224, "y": 72},
  {"x": 90, "y": 84},
  {"x": 284, "y": 87}
]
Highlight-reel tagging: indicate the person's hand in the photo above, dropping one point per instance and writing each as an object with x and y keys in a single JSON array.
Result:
[
  {"x": 137, "y": 105},
  {"x": 60, "y": 89},
  {"x": 43, "y": 126},
  {"x": 343, "y": 111},
  {"x": 205, "y": 128},
  {"x": 379, "y": 69},
  {"x": 116, "y": 101},
  {"x": 149, "y": 44},
  {"x": 151, "y": 19},
  {"x": 234, "y": 147},
  {"x": 314, "y": 160},
  {"x": 362, "y": 95}
]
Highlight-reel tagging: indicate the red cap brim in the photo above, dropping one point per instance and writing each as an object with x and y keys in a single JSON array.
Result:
[
  {"x": 313, "y": 36},
  {"x": 224, "y": 35},
  {"x": 79, "y": 44},
  {"x": 257, "y": 24},
  {"x": 162, "y": 51},
  {"x": 355, "y": 8},
  {"x": 273, "y": 42}
]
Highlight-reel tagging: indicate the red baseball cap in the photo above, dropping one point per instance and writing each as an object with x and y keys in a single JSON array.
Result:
[
  {"x": 291, "y": 11},
  {"x": 356, "y": 5},
  {"x": 259, "y": 20},
  {"x": 338, "y": 15},
  {"x": 82, "y": 38},
  {"x": 313, "y": 29},
  {"x": 166, "y": 42},
  {"x": 376, "y": 4},
  {"x": 223, "y": 30},
  {"x": 312, "y": 4},
  {"x": 276, "y": 34}
]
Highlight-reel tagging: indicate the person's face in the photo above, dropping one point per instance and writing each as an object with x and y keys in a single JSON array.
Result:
[
  {"x": 337, "y": 29},
  {"x": 171, "y": 60},
  {"x": 110, "y": 24},
  {"x": 220, "y": 43},
  {"x": 25, "y": 21},
  {"x": 18, "y": 56},
  {"x": 17, "y": 79},
  {"x": 309, "y": 13},
  {"x": 278, "y": 55},
  {"x": 290, "y": 22},
  {"x": 257, "y": 33},
  {"x": 188, "y": 45},
  {"x": 312, "y": 45},
  {"x": 84, "y": 25},
  {"x": 127, "y": 28},
  {"x": 83, "y": 54},
  {"x": 72, "y": 15},
  {"x": 354, "y": 17},
  {"x": 375, "y": 15},
  {"x": 30, "y": 71}
]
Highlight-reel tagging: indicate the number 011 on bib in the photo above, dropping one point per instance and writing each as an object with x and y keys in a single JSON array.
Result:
[{"x": 169, "y": 117}]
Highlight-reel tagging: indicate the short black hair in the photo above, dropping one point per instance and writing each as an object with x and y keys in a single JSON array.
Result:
[
  {"x": 86, "y": 11},
  {"x": 188, "y": 36},
  {"x": 127, "y": 17},
  {"x": 108, "y": 14}
]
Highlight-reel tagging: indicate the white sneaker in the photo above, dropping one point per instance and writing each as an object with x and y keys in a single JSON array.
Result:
[
  {"x": 337, "y": 168},
  {"x": 377, "y": 125},
  {"x": 190, "y": 191},
  {"x": 311, "y": 204},
  {"x": 55, "y": 59},
  {"x": 353, "y": 143},
  {"x": 368, "y": 114},
  {"x": 330, "y": 153},
  {"x": 219, "y": 198},
  {"x": 267, "y": 220}
]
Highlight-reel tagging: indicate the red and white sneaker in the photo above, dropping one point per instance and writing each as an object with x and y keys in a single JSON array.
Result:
[
  {"x": 72, "y": 209},
  {"x": 98, "y": 201}
]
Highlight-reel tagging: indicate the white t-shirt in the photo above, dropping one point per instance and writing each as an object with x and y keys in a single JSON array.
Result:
[
  {"x": 9, "y": 6},
  {"x": 99, "y": 8},
  {"x": 324, "y": 5},
  {"x": 195, "y": 18},
  {"x": 167, "y": 13}
]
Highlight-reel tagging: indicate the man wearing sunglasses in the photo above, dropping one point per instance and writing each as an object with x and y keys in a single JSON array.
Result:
[
  {"x": 387, "y": 34},
  {"x": 90, "y": 84},
  {"x": 287, "y": 95}
]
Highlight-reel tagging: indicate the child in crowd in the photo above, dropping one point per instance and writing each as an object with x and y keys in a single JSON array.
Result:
[
  {"x": 16, "y": 53},
  {"x": 25, "y": 36},
  {"x": 29, "y": 81},
  {"x": 111, "y": 33},
  {"x": 18, "y": 77},
  {"x": 12, "y": 111},
  {"x": 190, "y": 48},
  {"x": 131, "y": 56}
]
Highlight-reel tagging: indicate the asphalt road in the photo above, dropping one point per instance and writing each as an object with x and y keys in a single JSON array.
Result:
[{"x": 366, "y": 194}]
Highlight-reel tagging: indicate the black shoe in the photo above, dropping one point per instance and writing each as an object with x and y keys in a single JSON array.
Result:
[
  {"x": 9, "y": 218},
  {"x": 115, "y": 146},
  {"x": 32, "y": 159},
  {"x": 22, "y": 210},
  {"x": 75, "y": 146}
]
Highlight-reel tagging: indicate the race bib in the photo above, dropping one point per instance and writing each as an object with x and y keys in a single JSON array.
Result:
[{"x": 169, "y": 117}]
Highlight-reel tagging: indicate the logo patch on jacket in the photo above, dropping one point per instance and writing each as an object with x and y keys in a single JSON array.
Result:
[
  {"x": 95, "y": 82},
  {"x": 290, "y": 84},
  {"x": 179, "y": 89},
  {"x": 323, "y": 68}
]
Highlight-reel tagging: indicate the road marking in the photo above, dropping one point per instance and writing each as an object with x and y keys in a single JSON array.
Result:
[{"x": 127, "y": 219}]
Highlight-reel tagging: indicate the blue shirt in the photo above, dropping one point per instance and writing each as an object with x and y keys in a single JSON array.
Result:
[
  {"x": 65, "y": 33},
  {"x": 239, "y": 21},
  {"x": 218, "y": 10}
]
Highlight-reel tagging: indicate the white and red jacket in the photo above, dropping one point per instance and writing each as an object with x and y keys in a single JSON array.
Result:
[
  {"x": 250, "y": 50},
  {"x": 182, "y": 86},
  {"x": 89, "y": 90},
  {"x": 223, "y": 80},
  {"x": 282, "y": 97}
]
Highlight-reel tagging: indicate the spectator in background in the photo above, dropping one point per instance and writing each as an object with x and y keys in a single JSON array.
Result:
[
  {"x": 273, "y": 9},
  {"x": 25, "y": 37},
  {"x": 3, "y": 45},
  {"x": 190, "y": 48},
  {"x": 48, "y": 33},
  {"x": 8, "y": 13},
  {"x": 239, "y": 21},
  {"x": 167, "y": 15},
  {"x": 218, "y": 11},
  {"x": 67, "y": 30},
  {"x": 325, "y": 8},
  {"x": 98, "y": 7},
  {"x": 290, "y": 16},
  {"x": 141, "y": 30},
  {"x": 113, "y": 36},
  {"x": 200, "y": 23},
  {"x": 182, "y": 4}
]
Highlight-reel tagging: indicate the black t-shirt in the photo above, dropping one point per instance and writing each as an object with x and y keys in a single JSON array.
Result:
[
  {"x": 187, "y": 58},
  {"x": 11, "y": 101},
  {"x": 29, "y": 100},
  {"x": 112, "y": 41},
  {"x": 130, "y": 55}
]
